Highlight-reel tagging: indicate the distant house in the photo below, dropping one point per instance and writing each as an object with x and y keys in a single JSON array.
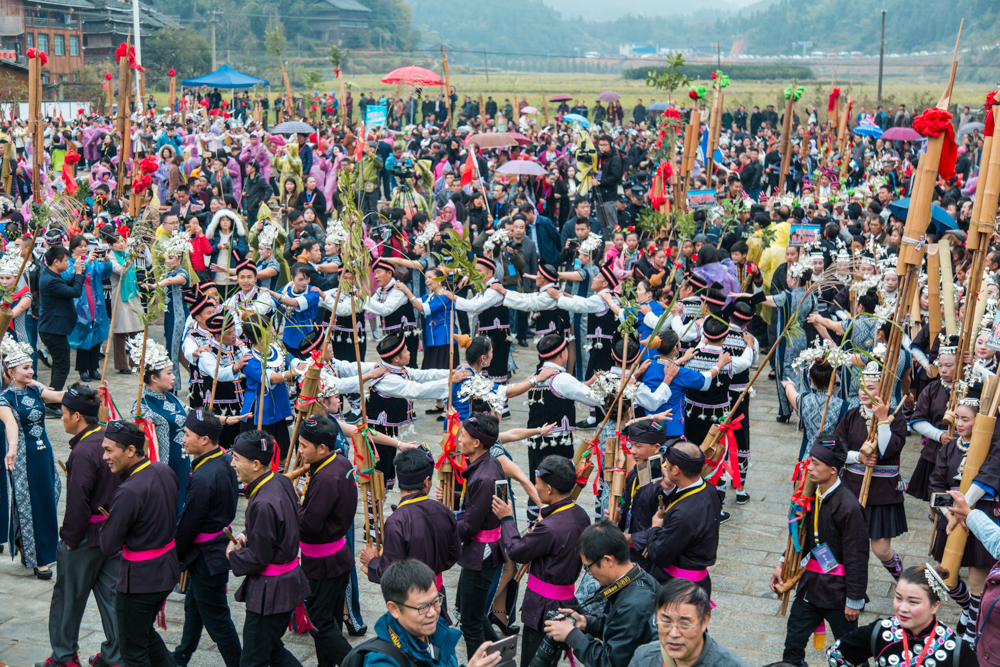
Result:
[
  {"x": 52, "y": 26},
  {"x": 336, "y": 20},
  {"x": 107, "y": 23}
]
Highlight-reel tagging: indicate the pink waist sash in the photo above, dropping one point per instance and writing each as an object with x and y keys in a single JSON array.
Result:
[
  {"x": 813, "y": 566},
  {"x": 551, "y": 591},
  {"x": 275, "y": 570},
  {"x": 322, "y": 550},
  {"x": 439, "y": 581},
  {"x": 97, "y": 518},
  {"x": 487, "y": 536},
  {"x": 690, "y": 575},
  {"x": 205, "y": 537},
  {"x": 148, "y": 554}
]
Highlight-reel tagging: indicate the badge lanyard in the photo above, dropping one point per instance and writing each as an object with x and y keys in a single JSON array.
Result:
[{"x": 927, "y": 647}]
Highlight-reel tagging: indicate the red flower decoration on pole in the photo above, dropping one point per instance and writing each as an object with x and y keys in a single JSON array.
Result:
[
  {"x": 148, "y": 165},
  {"x": 834, "y": 96},
  {"x": 44, "y": 58},
  {"x": 141, "y": 184},
  {"x": 225, "y": 114},
  {"x": 107, "y": 76},
  {"x": 72, "y": 157},
  {"x": 204, "y": 103},
  {"x": 991, "y": 100},
  {"x": 693, "y": 94},
  {"x": 30, "y": 53},
  {"x": 172, "y": 72},
  {"x": 936, "y": 123}
]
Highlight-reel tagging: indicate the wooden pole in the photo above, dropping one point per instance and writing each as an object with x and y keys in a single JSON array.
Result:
[
  {"x": 6, "y": 173},
  {"x": 947, "y": 287},
  {"x": 933, "y": 291},
  {"x": 172, "y": 96},
  {"x": 447, "y": 87},
  {"x": 786, "y": 138},
  {"x": 446, "y": 473}
]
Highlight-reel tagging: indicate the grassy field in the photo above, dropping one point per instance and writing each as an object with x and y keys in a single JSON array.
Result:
[{"x": 535, "y": 87}]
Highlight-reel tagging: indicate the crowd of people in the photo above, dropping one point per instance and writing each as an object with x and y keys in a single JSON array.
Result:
[{"x": 646, "y": 333}]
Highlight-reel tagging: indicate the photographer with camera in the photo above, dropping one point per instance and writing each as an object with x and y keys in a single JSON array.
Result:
[
  {"x": 550, "y": 548},
  {"x": 610, "y": 638}
]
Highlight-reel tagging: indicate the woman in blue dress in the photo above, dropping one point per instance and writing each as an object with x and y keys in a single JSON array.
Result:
[
  {"x": 163, "y": 409},
  {"x": 30, "y": 464},
  {"x": 92, "y": 321}
]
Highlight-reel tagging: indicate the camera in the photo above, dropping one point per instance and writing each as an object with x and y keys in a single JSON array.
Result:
[
  {"x": 550, "y": 650},
  {"x": 574, "y": 244}
]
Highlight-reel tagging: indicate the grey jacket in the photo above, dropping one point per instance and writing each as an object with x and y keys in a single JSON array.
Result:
[{"x": 713, "y": 655}]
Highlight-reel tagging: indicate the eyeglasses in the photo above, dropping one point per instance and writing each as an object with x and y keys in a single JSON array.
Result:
[
  {"x": 426, "y": 607},
  {"x": 587, "y": 566},
  {"x": 683, "y": 626}
]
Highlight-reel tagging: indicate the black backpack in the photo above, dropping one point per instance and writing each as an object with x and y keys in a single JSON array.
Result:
[{"x": 356, "y": 658}]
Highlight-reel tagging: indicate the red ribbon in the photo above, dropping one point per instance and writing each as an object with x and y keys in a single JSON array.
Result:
[
  {"x": 147, "y": 428},
  {"x": 726, "y": 464},
  {"x": 592, "y": 450},
  {"x": 72, "y": 157},
  {"x": 799, "y": 475},
  {"x": 317, "y": 357},
  {"x": 832, "y": 102},
  {"x": 450, "y": 450},
  {"x": 990, "y": 101},
  {"x": 936, "y": 123}
]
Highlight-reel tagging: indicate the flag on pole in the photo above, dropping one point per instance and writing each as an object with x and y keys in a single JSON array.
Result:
[{"x": 469, "y": 168}]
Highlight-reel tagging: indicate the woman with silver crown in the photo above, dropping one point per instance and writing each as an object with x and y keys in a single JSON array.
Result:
[
  {"x": 10, "y": 264},
  {"x": 913, "y": 635},
  {"x": 29, "y": 461},
  {"x": 162, "y": 408}
]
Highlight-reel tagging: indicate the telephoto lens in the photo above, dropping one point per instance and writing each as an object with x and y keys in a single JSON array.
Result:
[{"x": 550, "y": 650}]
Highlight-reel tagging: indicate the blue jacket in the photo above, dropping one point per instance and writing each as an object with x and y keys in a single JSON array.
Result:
[
  {"x": 277, "y": 407},
  {"x": 444, "y": 640},
  {"x": 55, "y": 295},
  {"x": 174, "y": 141},
  {"x": 685, "y": 379},
  {"x": 547, "y": 239},
  {"x": 436, "y": 324},
  {"x": 92, "y": 322},
  {"x": 237, "y": 244},
  {"x": 300, "y": 322}
]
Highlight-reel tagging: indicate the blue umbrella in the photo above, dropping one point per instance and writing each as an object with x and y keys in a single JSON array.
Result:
[
  {"x": 942, "y": 221},
  {"x": 576, "y": 118},
  {"x": 658, "y": 106},
  {"x": 868, "y": 130}
]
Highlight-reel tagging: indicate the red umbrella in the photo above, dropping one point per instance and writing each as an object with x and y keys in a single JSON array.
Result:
[
  {"x": 520, "y": 138},
  {"x": 902, "y": 134},
  {"x": 561, "y": 97},
  {"x": 414, "y": 76}
]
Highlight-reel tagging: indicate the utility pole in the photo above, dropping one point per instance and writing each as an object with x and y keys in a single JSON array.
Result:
[
  {"x": 881, "y": 58},
  {"x": 215, "y": 14},
  {"x": 718, "y": 56},
  {"x": 486, "y": 64}
]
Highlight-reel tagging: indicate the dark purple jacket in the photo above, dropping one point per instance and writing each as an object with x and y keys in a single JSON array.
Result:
[
  {"x": 326, "y": 514},
  {"x": 420, "y": 528},
  {"x": 550, "y": 548},
  {"x": 477, "y": 513},
  {"x": 90, "y": 485},
  {"x": 272, "y": 537},
  {"x": 144, "y": 517},
  {"x": 210, "y": 502}
]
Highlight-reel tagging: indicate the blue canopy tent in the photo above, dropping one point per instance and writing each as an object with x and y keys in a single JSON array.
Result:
[{"x": 225, "y": 77}]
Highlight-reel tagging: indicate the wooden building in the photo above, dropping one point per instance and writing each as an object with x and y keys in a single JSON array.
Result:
[
  {"x": 52, "y": 26},
  {"x": 336, "y": 20}
]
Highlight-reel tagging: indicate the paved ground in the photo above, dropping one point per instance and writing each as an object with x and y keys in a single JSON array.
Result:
[{"x": 746, "y": 619}]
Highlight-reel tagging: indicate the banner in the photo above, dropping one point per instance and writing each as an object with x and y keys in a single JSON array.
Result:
[
  {"x": 698, "y": 198},
  {"x": 802, "y": 234},
  {"x": 375, "y": 116}
]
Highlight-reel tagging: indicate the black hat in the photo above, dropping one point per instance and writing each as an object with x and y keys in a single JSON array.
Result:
[
  {"x": 651, "y": 433},
  {"x": 390, "y": 346},
  {"x": 487, "y": 262},
  {"x": 196, "y": 423},
  {"x": 548, "y": 272},
  {"x": 311, "y": 341},
  {"x": 550, "y": 346},
  {"x": 608, "y": 272},
  {"x": 715, "y": 330},
  {"x": 696, "y": 281}
]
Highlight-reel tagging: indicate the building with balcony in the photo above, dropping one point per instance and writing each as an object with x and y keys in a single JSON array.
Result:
[
  {"x": 107, "y": 23},
  {"x": 336, "y": 20},
  {"x": 52, "y": 26}
]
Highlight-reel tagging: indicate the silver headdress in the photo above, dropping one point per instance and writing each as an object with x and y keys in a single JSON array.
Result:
[
  {"x": 935, "y": 582},
  {"x": 10, "y": 263},
  {"x": 873, "y": 369},
  {"x": 590, "y": 244},
  {"x": 157, "y": 357},
  {"x": 327, "y": 387},
  {"x": 178, "y": 245},
  {"x": 267, "y": 236},
  {"x": 947, "y": 344},
  {"x": 14, "y": 353},
  {"x": 7, "y": 206},
  {"x": 801, "y": 267},
  {"x": 480, "y": 387}
]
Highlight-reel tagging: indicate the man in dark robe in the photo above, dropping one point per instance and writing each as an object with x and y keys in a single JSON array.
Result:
[{"x": 141, "y": 524}]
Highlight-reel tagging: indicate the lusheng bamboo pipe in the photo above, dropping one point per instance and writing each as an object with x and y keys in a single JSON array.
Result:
[
  {"x": 714, "y": 129},
  {"x": 933, "y": 291},
  {"x": 990, "y": 177},
  {"x": 979, "y": 447},
  {"x": 947, "y": 287}
]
